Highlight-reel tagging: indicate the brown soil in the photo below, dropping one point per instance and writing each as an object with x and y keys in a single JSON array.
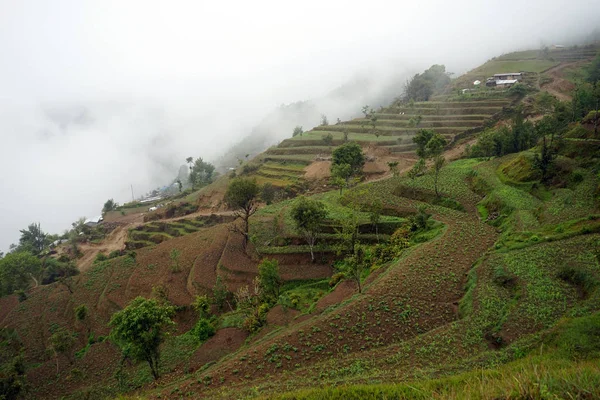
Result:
[
  {"x": 225, "y": 341},
  {"x": 318, "y": 170},
  {"x": 115, "y": 241},
  {"x": 281, "y": 316},
  {"x": 560, "y": 87},
  {"x": 342, "y": 291}
]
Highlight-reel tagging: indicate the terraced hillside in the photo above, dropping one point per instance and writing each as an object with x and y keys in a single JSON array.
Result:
[{"x": 391, "y": 133}]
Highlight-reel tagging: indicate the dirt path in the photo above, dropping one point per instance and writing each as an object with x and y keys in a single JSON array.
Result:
[
  {"x": 115, "y": 241},
  {"x": 559, "y": 87}
]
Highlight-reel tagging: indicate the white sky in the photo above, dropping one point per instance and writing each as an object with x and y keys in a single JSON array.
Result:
[{"x": 95, "y": 95}]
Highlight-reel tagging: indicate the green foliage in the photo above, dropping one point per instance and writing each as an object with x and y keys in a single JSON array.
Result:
[
  {"x": 220, "y": 294},
  {"x": 202, "y": 306},
  {"x": 355, "y": 265},
  {"x": 140, "y": 328},
  {"x": 340, "y": 175},
  {"x": 12, "y": 378},
  {"x": 241, "y": 195},
  {"x": 201, "y": 173},
  {"x": 593, "y": 70},
  {"x": 327, "y": 139},
  {"x": 307, "y": 216},
  {"x": 33, "y": 239},
  {"x": 298, "y": 131},
  {"x": 270, "y": 281},
  {"x": 324, "y": 120},
  {"x": 81, "y": 312},
  {"x": 350, "y": 154},
  {"x": 420, "y": 220},
  {"x": 267, "y": 193},
  {"x": 421, "y": 86},
  {"x": 109, "y": 205},
  {"x": 16, "y": 271},
  {"x": 174, "y": 256},
  {"x": 521, "y": 135},
  {"x": 429, "y": 143},
  {"x": 203, "y": 329}
]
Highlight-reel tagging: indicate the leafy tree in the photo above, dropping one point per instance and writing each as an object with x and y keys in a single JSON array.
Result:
[
  {"x": 17, "y": 270},
  {"x": 375, "y": 210},
  {"x": 308, "y": 216},
  {"x": 345, "y": 135},
  {"x": 249, "y": 301},
  {"x": 33, "y": 239},
  {"x": 355, "y": 265},
  {"x": 12, "y": 379},
  {"x": 241, "y": 195},
  {"x": 202, "y": 306},
  {"x": 297, "y": 131},
  {"x": 420, "y": 220},
  {"x": 351, "y": 154},
  {"x": 429, "y": 143},
  {"x": 324, "y": 120},
  {"x": 220, "y": 294},
  {"x": 267, "y": 193},
  {"x": 61, "y": 342},
  {"x": 140, "y": 328},
  {"x": 393, "y": 166},
  {"x": 543, "y": 161},
  {"x": 347, "y": 235},
  {"x": 201, "y": 173},
  {"x": 179, "y": 184},
  {"x": 81, "y": 312},
  {"x": 417, "y": 169},
  {"x": 340, "y": 174},
  {"x": 270, "y": 281},
  {"x": 109, "y": 205},
  {"x": 174, "y": 256},
  {"x": 593, "y": 70},
  {"x": 438, "y": 163},
  {"x": 327, "y": 139},
  {"x": 365, "y": 110},
  {"x": 203, "y": 329},
  {"x": 421, "y": 86}
]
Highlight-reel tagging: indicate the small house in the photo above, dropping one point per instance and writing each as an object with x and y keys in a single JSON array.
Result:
[
  {"x": 505, "y": 83},
  {"x": 92, "y": 222},
  {"x": 508, "y": 76}
]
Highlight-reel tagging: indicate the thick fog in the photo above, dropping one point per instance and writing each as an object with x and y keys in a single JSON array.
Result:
[{"x": 96, "y": 96}]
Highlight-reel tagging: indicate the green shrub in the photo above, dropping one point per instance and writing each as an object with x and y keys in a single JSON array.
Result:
[
  {"x": 203, "y": 329},
  {"x": 335, "y": 279}
]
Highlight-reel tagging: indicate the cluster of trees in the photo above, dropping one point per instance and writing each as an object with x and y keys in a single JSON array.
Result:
[
  {"x": 27, "y": 263},
  {"x": 201, "y": 172},
  {"x": 430, "y": 146},
  {"x": 421, "y": 86},
  {"x": 346, "y": 164}
]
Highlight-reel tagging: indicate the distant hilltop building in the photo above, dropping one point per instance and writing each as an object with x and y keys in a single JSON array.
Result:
[
  {"x": 91, "y": 222},
  {"x": 505, "y": 80}
]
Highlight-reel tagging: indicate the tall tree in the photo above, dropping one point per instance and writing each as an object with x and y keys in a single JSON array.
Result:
[
  {"x": 351, "y": 154},
  {"x": 242, "y": 195},
  {"x": 354, "y": 266},
  {"x": 270, "y": 281},
  {"x": 109, "y": 205},
  {"x": 201, "y": 173},
  {"x": 33, "y": 239},
  {"x": 308, "y": 215},
  {"x": 140, "y": 328},
  {"x": 17, "y": 270},
  {"x": 298, "y": 131}
]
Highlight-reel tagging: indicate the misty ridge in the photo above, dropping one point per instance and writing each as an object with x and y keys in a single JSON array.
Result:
[{"x": 86, "y": 112}]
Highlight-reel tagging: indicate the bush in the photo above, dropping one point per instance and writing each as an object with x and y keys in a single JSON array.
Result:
[
  {"x": 100, "y": 257},
  {"x": 336, "y": 278},
  {"x": 203, "y": 330}
]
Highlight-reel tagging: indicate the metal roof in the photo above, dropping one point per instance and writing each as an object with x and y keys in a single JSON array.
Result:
[
  {"x": 512, "y": 73},
  {"x": 506, "y": 81}
]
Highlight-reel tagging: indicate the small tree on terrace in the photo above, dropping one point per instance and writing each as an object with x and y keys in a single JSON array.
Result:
[
  {"x": 270, "y": 281},
  {"x": 430, "y": 145},
  {"x": 140, "y": 328},
  {"x": 110, "y": 205},
  {"x": 308, "y": 216},
  {"x": 340, "y": 175},
  {"x": 324, "y": 120},
  {"x": 241, "y": 195},
  {"x": 351, "y": 154},
  {"x": 61, "y": 342},
  {"x": 354, "y": 266},
  {"x": 298, "y": 131},
  {"x": 438, "y": 163}
]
